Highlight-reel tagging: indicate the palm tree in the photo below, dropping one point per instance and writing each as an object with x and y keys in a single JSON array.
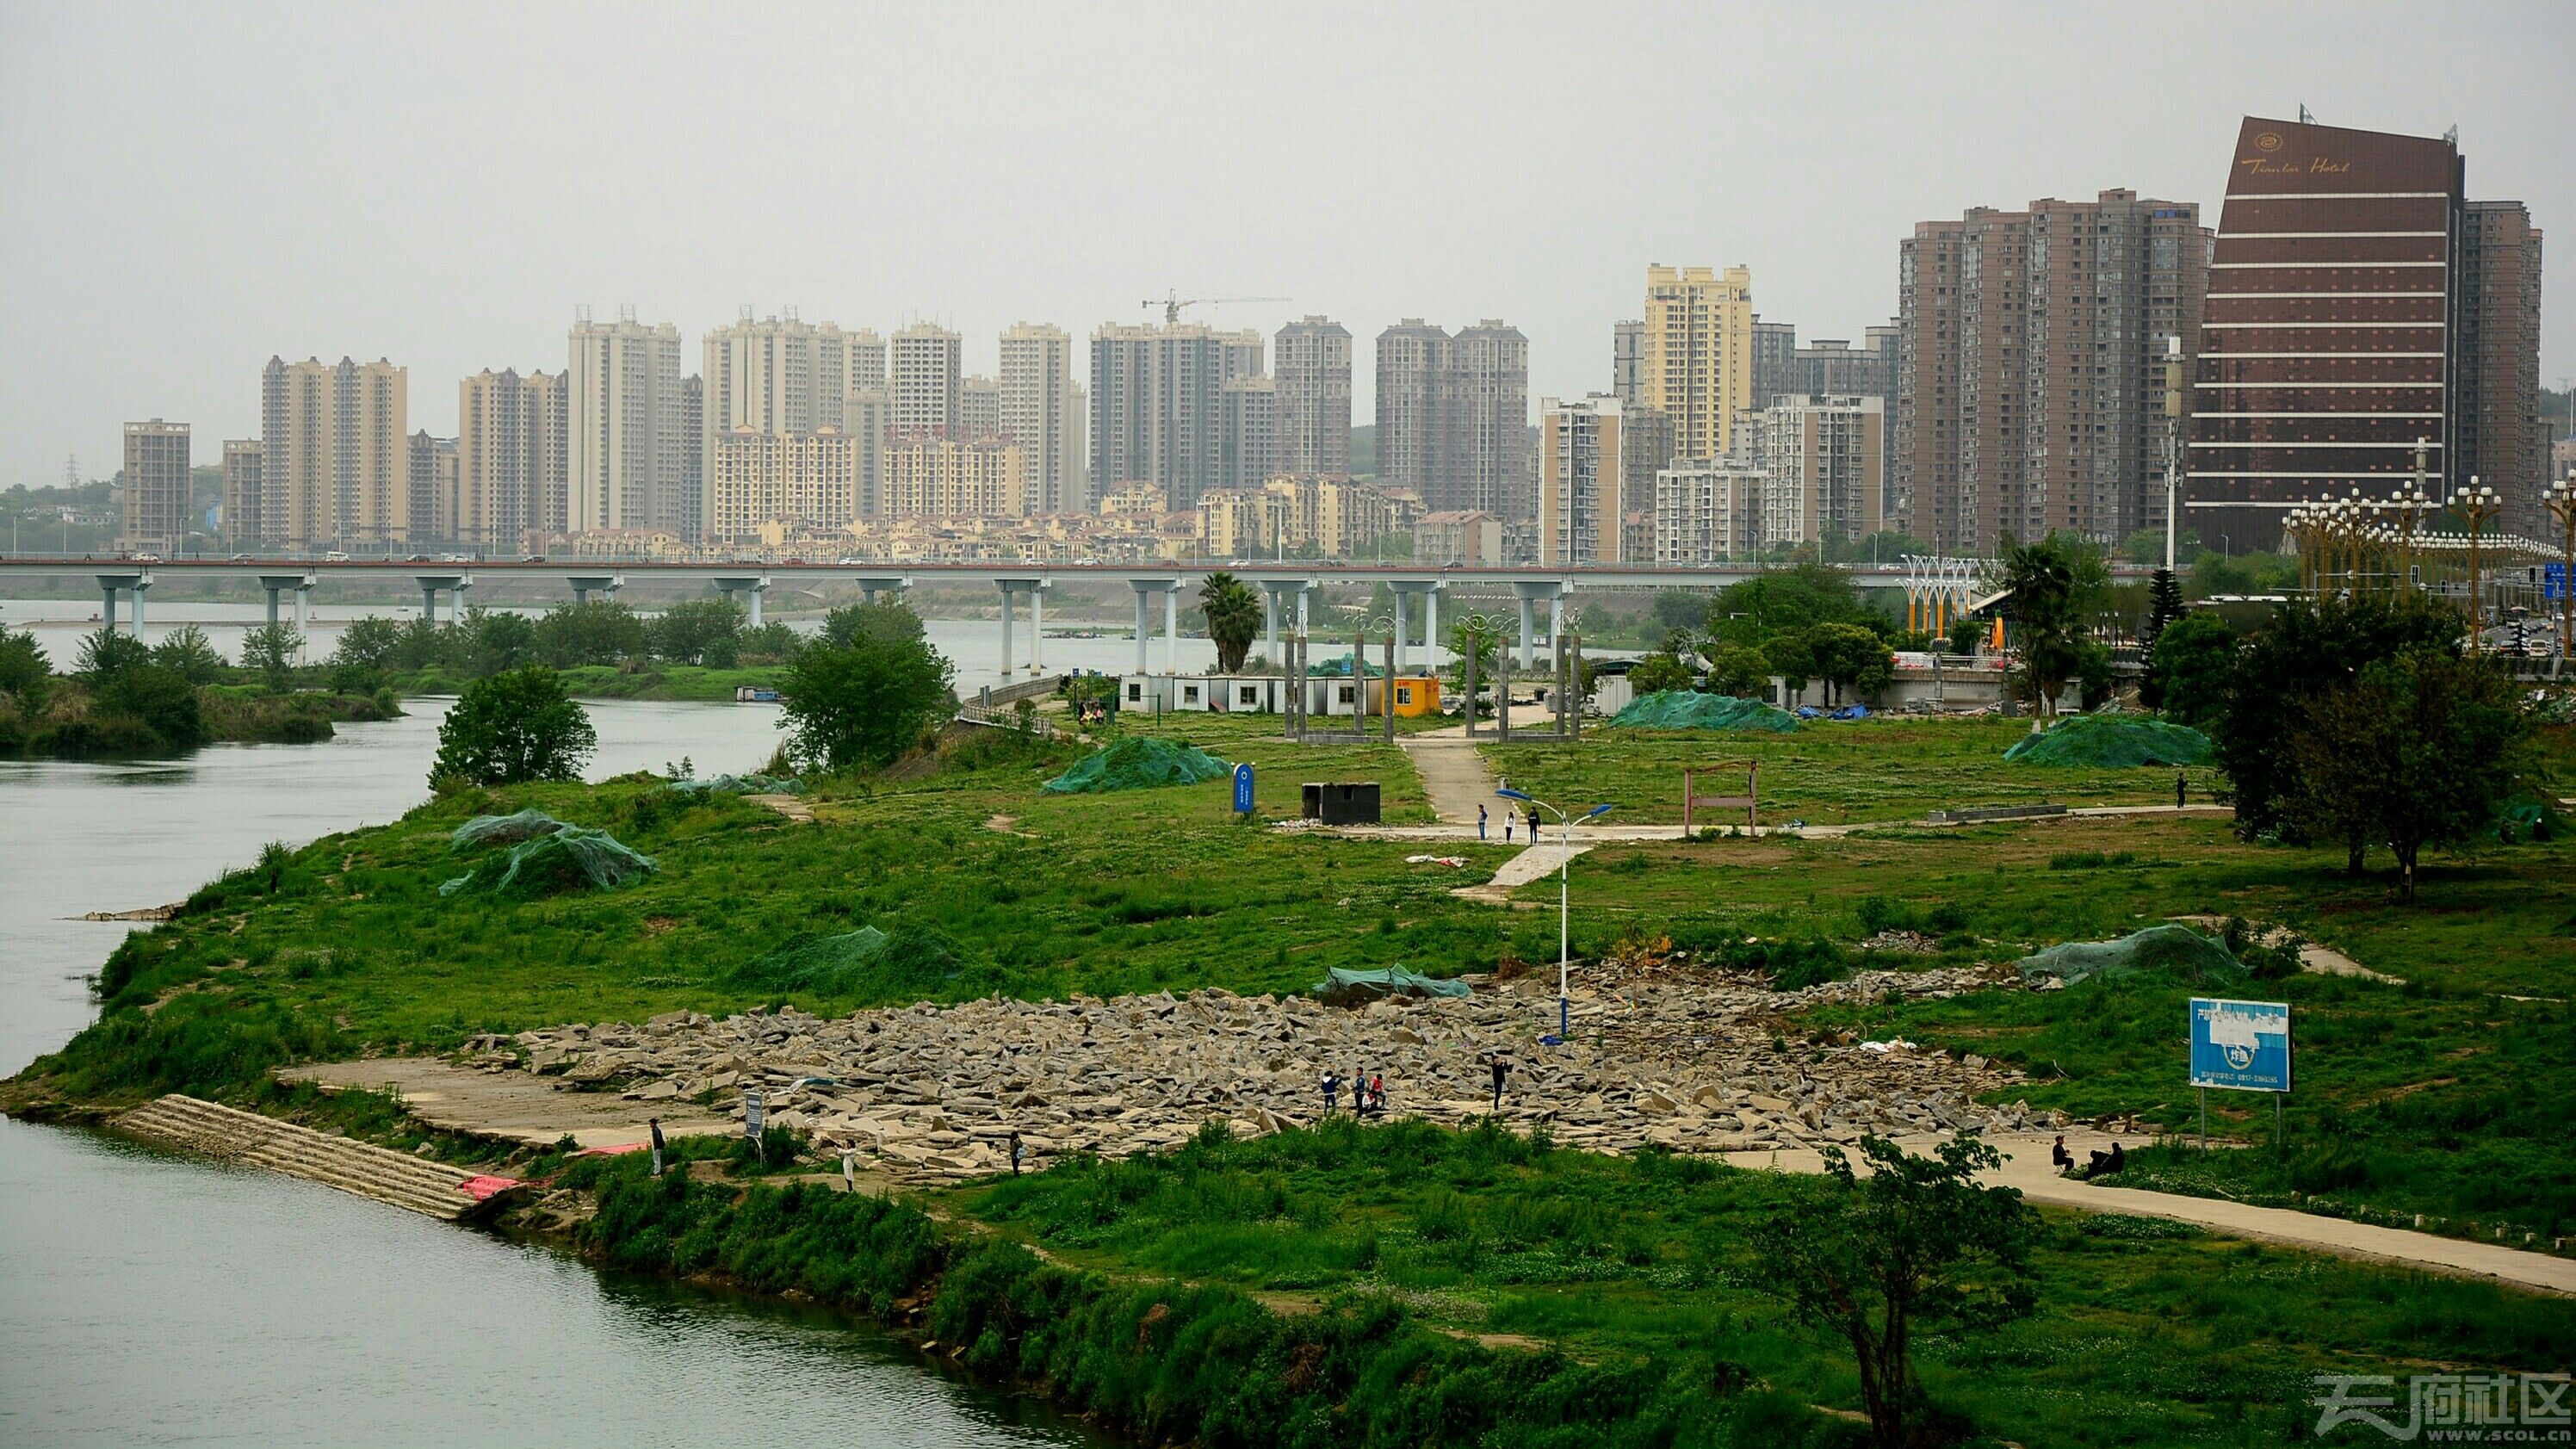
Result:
[{"x": 1233, "y": 618}]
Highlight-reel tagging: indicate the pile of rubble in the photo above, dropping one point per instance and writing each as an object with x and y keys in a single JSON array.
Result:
[{"x": 1694, "y": 1061}]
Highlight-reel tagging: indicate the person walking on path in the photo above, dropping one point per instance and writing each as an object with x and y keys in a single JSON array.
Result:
[
  {"x": 1015, "y": 1152},
  {"x": 1480, "y": 822},
  {"x": 1507, "y": 825},
  {"x": 1501, "y": 1069},
  {"x": 656, "y": 1124},
  {"x": 850, "y": 1171},
  {"x": 2177, "y": 789},
  {"x": 1377, "y": 1092}
]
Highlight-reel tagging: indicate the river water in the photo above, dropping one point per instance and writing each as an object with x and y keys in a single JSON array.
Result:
[{"x": 150, "y": 1299}]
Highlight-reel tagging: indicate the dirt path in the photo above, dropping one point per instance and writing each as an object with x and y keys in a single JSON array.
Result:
[
  {"x": 2026, "y": 1166},
  {"x": 1453, "y": 776},
  {"x": 787, "y": 805},
  {"x": 510, "y": 1104}
]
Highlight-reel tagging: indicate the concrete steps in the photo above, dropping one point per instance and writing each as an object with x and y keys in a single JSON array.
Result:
[{"x": 360, "y": 1168}]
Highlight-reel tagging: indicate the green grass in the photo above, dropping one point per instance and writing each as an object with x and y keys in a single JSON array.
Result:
[
  {"x": 641, "y": 680},
  {"x": 2149, "y": 1333},
  {"x": 1827, "y": 773}
]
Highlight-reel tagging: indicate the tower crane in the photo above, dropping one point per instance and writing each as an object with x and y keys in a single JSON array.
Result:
[{"x": 1173, "y": 302}]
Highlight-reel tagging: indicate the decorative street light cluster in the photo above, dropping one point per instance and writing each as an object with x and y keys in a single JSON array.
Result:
[{"x": 2560, "y": 499}]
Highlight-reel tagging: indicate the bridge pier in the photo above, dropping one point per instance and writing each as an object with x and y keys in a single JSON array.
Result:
[
  {"x": 1428, "y": 590},
  {"x": 752, "y": 584},
  {"x": 1271, "y": 589},
  {"x": 583, "y": 585},
  {"x": 454, "y": 585},
  {"x": 873, "y": 585},
  {"x": 302, "y": 584},
  {"x": 1170, "y": 589},
  {"x": 110, "y": 585},
  {"x": 1552, "y": 590}
]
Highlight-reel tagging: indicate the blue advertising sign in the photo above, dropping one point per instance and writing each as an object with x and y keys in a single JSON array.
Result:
[
  {"x": 1243, "y": 789},
  {"x": 2240, "y": 1044},
  {"x": 2553, "y": 581}
]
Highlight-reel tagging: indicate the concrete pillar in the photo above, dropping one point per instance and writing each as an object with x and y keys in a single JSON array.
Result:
[
  {"x": 1395, "y": 643},
  {"x": 1270, "y": 624},
  {"x": 141, "y": 587},
  {"x": 1141, "y": 632},
  {"x": 429, "y": 602},
  {"x": 1171, "y": 629},
  {"x": 303, "y": 622},
  {"x": 1529, "y": 631},
  {"x": 1431, "y": 631},
  {"x": 1037, "y": 628},
  {"x": 272, "y": 606},
  {"x": 1006, "y": 630},
  {"x": 757, "y": 590},
  {"x": 107, "y": 616},
  {"x": 1303, "y": 593},
  {"x": 1555, "y": 621}
]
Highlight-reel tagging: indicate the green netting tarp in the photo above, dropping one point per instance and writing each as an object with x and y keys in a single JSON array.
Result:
[
  {"x": 1138, "y": 763},
  {"x": 907, "y": 959},
  {"x": 1339, "y": 984},
  {"x": 2528, "y": 817},
  {"x": 2166, "y": 952},
  {"x": 1688, "y": 709},
  {"x": 510, "y": 829},
  {"x": 569, "y": 858},
  {"x": 754, "y": 783},
  {"x": 2557, "y": 709},
  {"x": 2116, "y": 741}
]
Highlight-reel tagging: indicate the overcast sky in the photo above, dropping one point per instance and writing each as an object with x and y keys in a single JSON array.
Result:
[{"x": 184, "y": 191}]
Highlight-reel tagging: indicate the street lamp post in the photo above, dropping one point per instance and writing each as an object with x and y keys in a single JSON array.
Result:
[
  {"x": 1564, "y": 937},
  {"x": 2477, "y": 504},
  {"x": 2560, "y": 499}
]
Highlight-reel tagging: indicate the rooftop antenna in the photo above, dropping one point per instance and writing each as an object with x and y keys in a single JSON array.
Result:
[
  {"x": 743, "y": 312},
  {"x": 2305, "y": 118},
  {"x": 581, "y": 313},
  {"x": 2453, "y": 135},
  {"x": 625, "y": 311}
]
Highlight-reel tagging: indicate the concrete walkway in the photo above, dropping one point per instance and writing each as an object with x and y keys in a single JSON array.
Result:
[
  {"x": 1453, "y": 777},
  {"x": 1536, "y": 863},
  {"x": 2026, "y": 1166}
]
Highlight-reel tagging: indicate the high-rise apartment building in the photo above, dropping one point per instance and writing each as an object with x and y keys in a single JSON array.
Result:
[
  {"x": 1699, "y": 353},
  {"x": 1453, "y": 414},
  {"x": 1628, "y": 363},
  {"x": 1775, "y": 359},
  {"x": 1038, "y": 411},
  {"x": 929, "y": 476},
  {"x": 782, "y": 375},
  {"x": 1825, "y": 459},
  {"x": 1314, "y": 373},
  {"x": 335, "y": 454},
  {"x": 693, "y": 450},
  {"x": 513, "y": 441},
  {"x": 867, "y": 353},
  {"x": 2030, "y": 386},
  {"x": 1158, "y": 406},
  {"x": 1709, "y": 512},
  {"x": 436, "y": 475},
  {"x": 796, "y": 481},
  {"x": 626, "y": 461},
  {"x": 2359, "y": 303},
  {"x": 1247, "y": 432},
  {"x": 1833, "y": 365},
  {"x": 155, "y": 495},
  {"x": 241, "y": 493},
  {"x": 925, "y": 361},
  {"x": 2499, "y": 436},
  {"x": 870, "y": 412},
  {"x": 979, "y": 408},
  {"x": 1579, "y": 480}
]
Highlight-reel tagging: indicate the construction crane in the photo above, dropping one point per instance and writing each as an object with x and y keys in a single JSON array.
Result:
[{"x": 1173, "y": 302}]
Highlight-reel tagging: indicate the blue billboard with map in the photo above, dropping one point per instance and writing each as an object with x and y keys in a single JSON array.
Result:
[{"x": 2240, "y": 1044}]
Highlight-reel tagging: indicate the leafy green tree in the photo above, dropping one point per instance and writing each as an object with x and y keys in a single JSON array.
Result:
[
  {"x": 1480, "y": 638},
  {"x": 1233, "y": 618},
  {"x": 1966, "y": 632},
  {"x": 1851, "y": 657},
  {"x": 1916, "y": 1250},
  {"x": 2046, "y": 605},
  {"x": 26, "y": 675},
  {"x": 1658, "y": 672},
  {"x": 771, "y": 643},
  {"x": 1681, "y": 608},
  {"x": 1740, "y": 670},
  {"x": 106, "y": 654},
  {"x": 699, "y": 631},
  {"x": 2188, "y": 669},
  {"x": 184, "y": 651},
  {"x": 2413, "y": 751},
  {"x": 590, "y": 632},
  {"x": 272, "y": 649},
  {"x": 421, "y": 644},
  {"x": 1793, "y": 658},
  {"x": 886, "y": 620},
  {"x": 374, "y": 642},
  {"x": 501, "y": 640},
  {"x": 1780, "y": 601},
  {"x": 2300, "y": 650},
  {"x": 162, "y": 699},
  {"x": 513, "y": 727},
  {"x": 859, "y": 707}
]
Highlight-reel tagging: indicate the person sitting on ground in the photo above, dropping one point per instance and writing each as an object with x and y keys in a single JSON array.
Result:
[
  {"x": 2119, "y": 1158},
  {"x": 2100, "y": 1164},
  {"x": 2058, "y": 1156}
]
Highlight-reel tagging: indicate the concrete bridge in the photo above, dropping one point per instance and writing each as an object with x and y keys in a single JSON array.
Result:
[{"x": 1288, "y": 587}]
